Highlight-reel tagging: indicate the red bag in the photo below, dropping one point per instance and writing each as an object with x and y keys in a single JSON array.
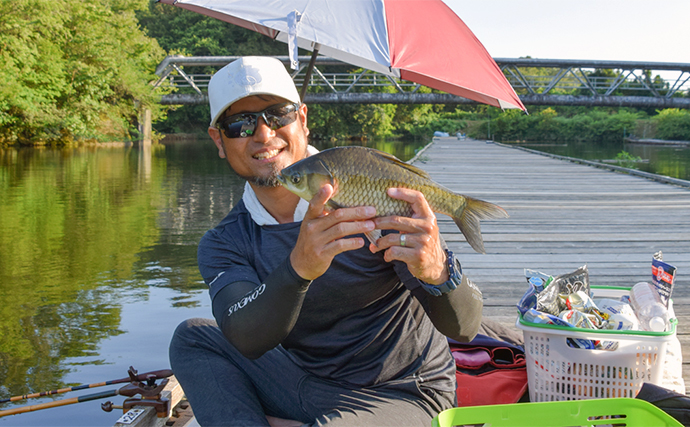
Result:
[{"x": 489, "y": 375}]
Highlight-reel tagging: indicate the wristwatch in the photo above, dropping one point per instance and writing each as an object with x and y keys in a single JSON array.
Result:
[{"x": 454, "y": 279}]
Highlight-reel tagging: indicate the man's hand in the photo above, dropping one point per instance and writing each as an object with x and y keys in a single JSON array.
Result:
[
  {"x": 422, "y": 250},
  {"x": 322, "y": 233}
]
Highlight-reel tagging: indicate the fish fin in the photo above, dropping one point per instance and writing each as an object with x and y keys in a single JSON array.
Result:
[
  {"x": 468, "y": 220},
  {"x": 373, "y": 236},
  {"x": 333, "y": 204},
  {"x": 409, "y": 167}
]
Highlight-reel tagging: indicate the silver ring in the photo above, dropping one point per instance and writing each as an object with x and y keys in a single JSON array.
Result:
[{"x": 403, "y": 238}]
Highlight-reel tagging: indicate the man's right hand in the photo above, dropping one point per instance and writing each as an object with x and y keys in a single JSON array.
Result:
[{"x": 322, "y": 234}]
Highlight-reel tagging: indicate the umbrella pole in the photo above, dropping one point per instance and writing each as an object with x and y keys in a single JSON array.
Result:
[{"x": 310, "y": 68}]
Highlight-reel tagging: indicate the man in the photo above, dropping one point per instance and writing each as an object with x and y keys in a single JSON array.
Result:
[{"x": 313, "y": 326}]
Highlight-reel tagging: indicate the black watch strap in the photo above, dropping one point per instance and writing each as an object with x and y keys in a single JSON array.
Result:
[{"x": 454, "y": 279}]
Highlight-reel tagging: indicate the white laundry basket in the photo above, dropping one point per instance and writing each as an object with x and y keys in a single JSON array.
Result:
[{"x": 558, "y": 371}]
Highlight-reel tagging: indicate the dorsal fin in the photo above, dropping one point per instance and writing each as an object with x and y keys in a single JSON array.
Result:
[{"x": 409, "y": 167}]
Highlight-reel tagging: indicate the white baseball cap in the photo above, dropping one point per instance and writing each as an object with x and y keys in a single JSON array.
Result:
[{"x": 249, "y": 75}]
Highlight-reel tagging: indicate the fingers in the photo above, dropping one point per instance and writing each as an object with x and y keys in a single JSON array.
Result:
[
  {"x": 317, "y": 204},
  {"x": 416, "y": 199},
  {"x": 417, "y": 228},
  {"x": 417, "y": 242},
  {"x": 323, "y": 234}
]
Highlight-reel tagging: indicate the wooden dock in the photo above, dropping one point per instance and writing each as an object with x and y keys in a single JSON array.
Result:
[{"x": 563, "y": 215}]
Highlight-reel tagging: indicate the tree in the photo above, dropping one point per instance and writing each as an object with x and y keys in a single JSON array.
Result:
[
  {"x": 673, "y": 124},
  {"x": 73, "y": 70}
]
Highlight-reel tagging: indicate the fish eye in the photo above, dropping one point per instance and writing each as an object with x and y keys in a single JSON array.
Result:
[{"x": 296, "y": 178}]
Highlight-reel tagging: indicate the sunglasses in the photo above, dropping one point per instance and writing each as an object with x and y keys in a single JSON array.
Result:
[{"x": 244, "y": 124}]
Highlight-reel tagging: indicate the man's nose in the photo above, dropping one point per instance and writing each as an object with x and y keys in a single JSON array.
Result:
[{"x": 263, "y": 131}]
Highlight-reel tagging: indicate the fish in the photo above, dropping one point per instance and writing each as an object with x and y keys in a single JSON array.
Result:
[{"x": 360, "y": 176}]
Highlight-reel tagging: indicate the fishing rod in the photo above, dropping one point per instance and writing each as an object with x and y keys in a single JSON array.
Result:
[
  {"x": 142, "y": 384},
  {"x": 133, "y": 376},
  {"x": 56, "y": 403}
]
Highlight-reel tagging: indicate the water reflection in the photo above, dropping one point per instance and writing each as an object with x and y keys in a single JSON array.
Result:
[
  {"x": 72, "y": 220},
  {"x": 667, "y": 160},
  {"x": 98, "y": 261}
]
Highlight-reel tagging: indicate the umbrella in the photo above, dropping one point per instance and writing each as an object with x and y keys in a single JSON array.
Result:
[{"x": 422, "y": 41}]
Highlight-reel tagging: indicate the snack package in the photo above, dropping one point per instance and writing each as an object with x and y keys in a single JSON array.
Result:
[
  {"x": 579, "y": 319},
  {"x": 620, "y": 314},
  {"x": 528, "y": 300},
  {"x": 570, "y": 283},
  {"x": 553, "y": 299},
  {"x": 536, "y": 281},
  {"x": 535, "y": 316},
  {"x": 580, "y": 301}
]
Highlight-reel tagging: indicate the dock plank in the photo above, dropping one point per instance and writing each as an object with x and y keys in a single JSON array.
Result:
[{"x": 562, "y": 215}]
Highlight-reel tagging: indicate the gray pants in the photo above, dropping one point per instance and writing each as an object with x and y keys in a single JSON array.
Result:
[{"x": 226, "y": 389}]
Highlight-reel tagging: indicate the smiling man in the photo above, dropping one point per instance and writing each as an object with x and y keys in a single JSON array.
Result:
[{"x": 312, "y": 326}]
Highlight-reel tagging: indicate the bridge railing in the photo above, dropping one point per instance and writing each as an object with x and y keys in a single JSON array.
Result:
[{"x": 537, "y": 81}]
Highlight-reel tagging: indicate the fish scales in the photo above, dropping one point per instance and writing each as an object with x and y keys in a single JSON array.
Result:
[
  {"x": 360, "y": 177},
  {"x": 367, "y": 180}
]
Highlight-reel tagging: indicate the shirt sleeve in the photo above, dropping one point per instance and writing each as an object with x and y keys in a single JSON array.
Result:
[
  {"x": 456, "y": 314},
  {"x": 256, "y": 318},
  {"x": 254, "y": 315}
]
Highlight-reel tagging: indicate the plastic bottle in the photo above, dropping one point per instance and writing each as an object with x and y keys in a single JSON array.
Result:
[{"x": 647, "y": 305}]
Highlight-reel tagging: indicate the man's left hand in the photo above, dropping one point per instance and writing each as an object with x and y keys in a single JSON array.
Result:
[{"x": 420, "y": 248}]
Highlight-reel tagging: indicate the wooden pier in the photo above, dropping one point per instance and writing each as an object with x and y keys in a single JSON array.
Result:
[{"x": 563, "y": 215}]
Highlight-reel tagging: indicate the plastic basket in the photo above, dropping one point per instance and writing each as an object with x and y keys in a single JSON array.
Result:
[
  {"x": 596, "y": 412},
  {"x": 557, "y": 371}
]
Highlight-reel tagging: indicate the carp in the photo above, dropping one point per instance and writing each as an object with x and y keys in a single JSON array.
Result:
[{"x": 360, "y": 176}]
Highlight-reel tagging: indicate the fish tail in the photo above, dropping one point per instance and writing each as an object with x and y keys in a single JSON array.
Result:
[{"x": 467, "y": 219}]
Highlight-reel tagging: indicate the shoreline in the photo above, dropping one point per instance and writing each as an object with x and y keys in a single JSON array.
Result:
[{"x": 652, "y": 141}]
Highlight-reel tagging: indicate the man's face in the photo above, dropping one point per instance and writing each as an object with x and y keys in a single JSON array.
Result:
[{"x": 259, "y": 158}]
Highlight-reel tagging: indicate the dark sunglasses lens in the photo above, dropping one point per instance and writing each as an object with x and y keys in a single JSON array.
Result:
[
  {"x": 277, "y": 117},
  {"x": 239, "y": 126},
  {"x": 243, "y": 125}
]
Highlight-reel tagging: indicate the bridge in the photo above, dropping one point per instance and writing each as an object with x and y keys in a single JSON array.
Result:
[{"x": 536, "y": 81}]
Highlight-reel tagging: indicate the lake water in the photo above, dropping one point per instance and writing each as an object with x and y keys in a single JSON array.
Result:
[
  {"x": 668, "y": 160},
  {"x": 98, "y": 260}
]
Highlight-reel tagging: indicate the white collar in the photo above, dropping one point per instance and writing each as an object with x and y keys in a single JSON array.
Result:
[{"x": 260, "y": 215}]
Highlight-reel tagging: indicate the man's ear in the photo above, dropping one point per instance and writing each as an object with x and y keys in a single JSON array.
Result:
[
  {"x": 303, "y": 118},
  {"x": 214, "y": 133}
]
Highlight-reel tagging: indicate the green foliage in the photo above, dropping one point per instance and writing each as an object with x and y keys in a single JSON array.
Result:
[
  {"x": 547, "y": 125},
  {"x": 185, "y": 32},
  {"x": 626, "y": 159},
  {"x": 73, "y": 70},
  {"x": 673, "y": 124}
]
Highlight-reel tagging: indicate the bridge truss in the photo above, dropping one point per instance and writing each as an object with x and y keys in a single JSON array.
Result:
[{"x": 536, "y": 81}]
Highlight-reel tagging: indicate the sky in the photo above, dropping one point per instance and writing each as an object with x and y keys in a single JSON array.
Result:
[{"x": 621, "y": 30}]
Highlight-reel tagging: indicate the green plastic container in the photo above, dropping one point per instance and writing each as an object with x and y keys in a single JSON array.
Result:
[{"x": 621, "y": 411}]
